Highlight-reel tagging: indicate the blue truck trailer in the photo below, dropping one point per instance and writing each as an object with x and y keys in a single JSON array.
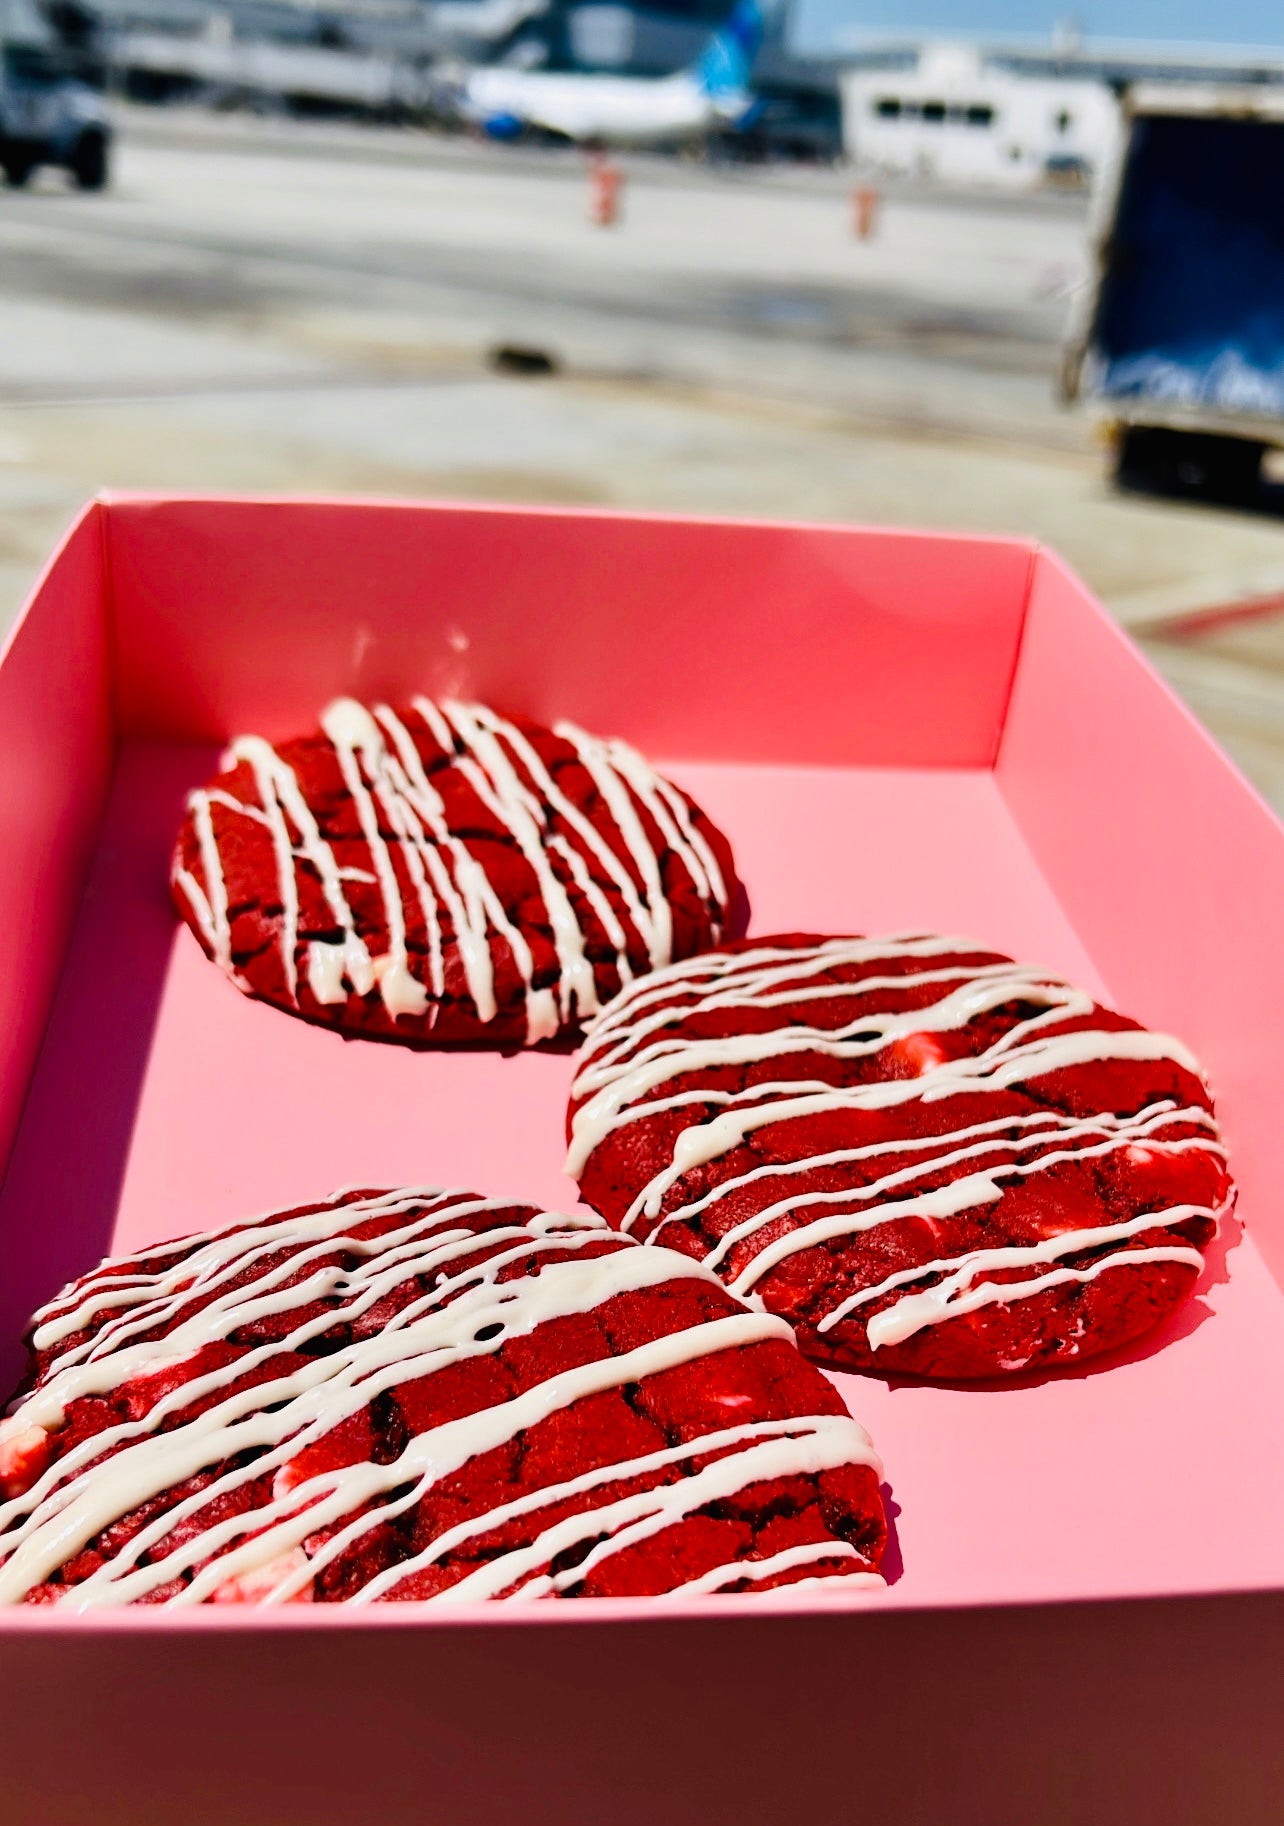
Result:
[{"x": 1179, "y": 342}]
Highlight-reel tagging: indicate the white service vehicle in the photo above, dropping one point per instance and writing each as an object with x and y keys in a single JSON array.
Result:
[{"x": 956, "y": 119}]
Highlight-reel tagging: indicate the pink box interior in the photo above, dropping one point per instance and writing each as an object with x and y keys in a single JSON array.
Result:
[{"x": 896, "y": 731}]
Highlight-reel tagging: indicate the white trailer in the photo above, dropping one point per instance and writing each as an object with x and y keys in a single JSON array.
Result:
[{"x": 956, "y": 119}]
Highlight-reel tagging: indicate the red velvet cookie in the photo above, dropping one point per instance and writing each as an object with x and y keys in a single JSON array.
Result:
[
  {"x": 422, "y": 1395},
  {"x": 441, "y": 872},
  {"x": 929, "y": 1159}
]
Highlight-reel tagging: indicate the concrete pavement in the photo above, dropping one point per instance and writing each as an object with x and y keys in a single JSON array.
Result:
[{"x": 261, "y": 307}]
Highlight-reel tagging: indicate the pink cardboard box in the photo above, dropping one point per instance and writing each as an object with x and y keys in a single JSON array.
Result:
[{"x": 896, "y": 731}]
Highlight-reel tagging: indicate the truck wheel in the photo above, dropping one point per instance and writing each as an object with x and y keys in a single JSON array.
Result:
[
  {"x": 88, "y": 163},
  {"x": 17, "y": 171},
  {"x": 1199, "y": 465}
]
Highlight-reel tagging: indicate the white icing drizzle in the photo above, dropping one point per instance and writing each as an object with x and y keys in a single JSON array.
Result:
[
  {"x": 614, "y": 768},
  {"x": 210, "y": 910},
  {"x": 630, "y": 1060},
  {"x": 280, "y": 794},
  {"x": 826, "y": 1587},
  {"x": 201, "y": 1290},
  {"x": 723, "y": 979},
  {"x": 958, "y": 1294},
  {"x": 359, "y": 747},
  {"x": 729, "y": 1438},
  {"x": 423, "y": 863},
  {"x": 499, "y": 787},
  {"x": 753, "y": 1570},
  {"x": 635, "y": 1518},
  {"x": 468, "y": 896}
]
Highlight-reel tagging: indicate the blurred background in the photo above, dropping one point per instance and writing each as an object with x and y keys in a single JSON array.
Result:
[{"x": 957, "y": 263}]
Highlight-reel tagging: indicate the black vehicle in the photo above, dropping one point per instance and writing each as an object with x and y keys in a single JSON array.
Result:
[{"x": 48, "y": 116}]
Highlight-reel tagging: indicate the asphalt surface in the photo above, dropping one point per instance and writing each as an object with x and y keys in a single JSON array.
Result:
[{"x": 269, "y": 306}]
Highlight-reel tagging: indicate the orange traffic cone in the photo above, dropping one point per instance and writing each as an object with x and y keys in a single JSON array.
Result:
[
  {"x": 865, "y": 202},
  {"x": 606, "y": 183}
]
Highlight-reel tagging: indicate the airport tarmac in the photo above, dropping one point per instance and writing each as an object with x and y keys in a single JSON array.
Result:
[{"x": 272, "y": 307}]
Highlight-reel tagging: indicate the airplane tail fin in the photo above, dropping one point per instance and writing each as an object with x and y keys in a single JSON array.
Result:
[{"x": 724, "y": 67}]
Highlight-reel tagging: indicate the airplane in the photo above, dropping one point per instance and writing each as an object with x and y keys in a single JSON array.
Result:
[{"x": 625, "y": 110}]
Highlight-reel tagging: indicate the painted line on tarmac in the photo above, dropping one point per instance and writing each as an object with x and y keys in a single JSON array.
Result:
[{"x": 1195, "y": 622}]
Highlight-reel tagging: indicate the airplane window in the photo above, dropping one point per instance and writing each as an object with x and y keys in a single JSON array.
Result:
[
  {"x": 979, "y": 115},
  {"x": 887, "y": 107},
  {"x": 1065, "y": 120},
  {"x": 934, "y": 111}
]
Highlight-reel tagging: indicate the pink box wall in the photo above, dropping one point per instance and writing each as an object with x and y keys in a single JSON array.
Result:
[{"x": 896, "y": 731}]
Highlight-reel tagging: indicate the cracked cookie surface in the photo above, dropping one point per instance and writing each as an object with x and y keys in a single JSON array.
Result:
[
  {"x": 930, "y": 1159},
  {"x": 422, "y": 1395},
  {"x": 439, "y": 872}
]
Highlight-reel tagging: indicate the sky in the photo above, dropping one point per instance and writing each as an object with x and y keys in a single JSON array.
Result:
[{"x": 1259, "y": 22}]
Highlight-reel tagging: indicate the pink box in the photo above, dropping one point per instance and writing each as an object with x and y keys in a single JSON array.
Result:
[{"x": 895, "y": 730}]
